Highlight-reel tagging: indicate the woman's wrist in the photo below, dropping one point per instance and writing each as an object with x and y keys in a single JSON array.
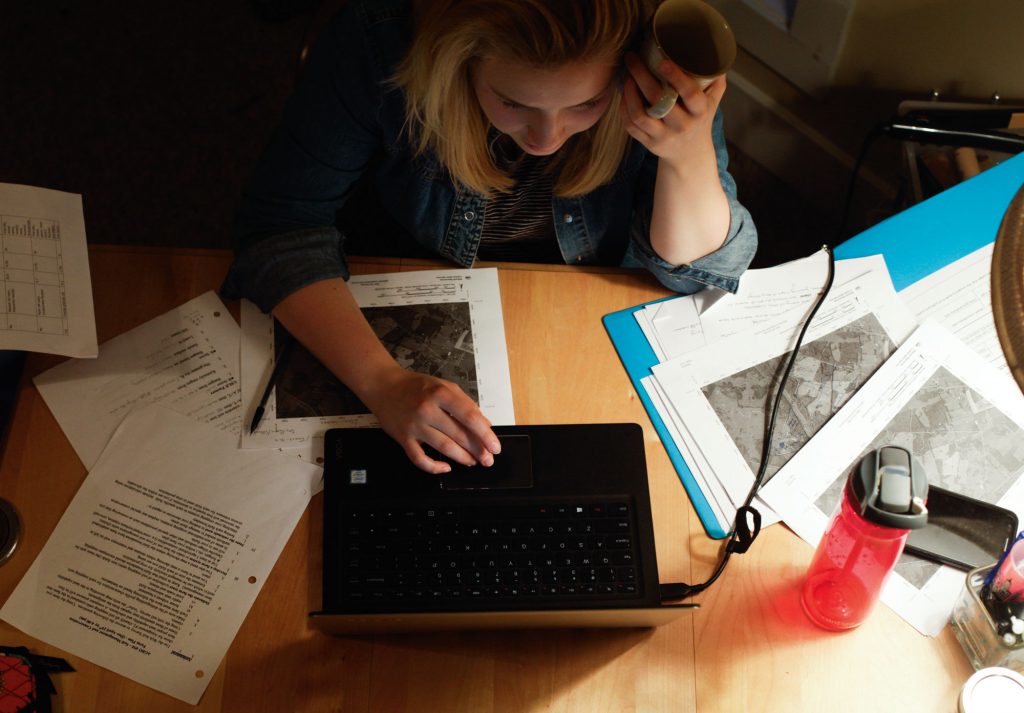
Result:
[
  {"x": 374, "y": 378},
  {"x": 697, "y": 163},
  {"x": 691, "y": 213}
]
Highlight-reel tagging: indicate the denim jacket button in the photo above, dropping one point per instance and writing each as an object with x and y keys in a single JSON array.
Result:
[
  {"x": 469, "y": 215},
  {"x": 567, "y": 217}
]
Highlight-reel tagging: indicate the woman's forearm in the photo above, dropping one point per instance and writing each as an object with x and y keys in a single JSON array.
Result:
[
  {"x": 415, "y": 409},
  {"x": 326, "y": 319},
  {"x": 691, "y": 211}
]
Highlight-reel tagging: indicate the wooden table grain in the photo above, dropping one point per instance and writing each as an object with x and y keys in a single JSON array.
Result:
[{"x": 748, "y": 648}]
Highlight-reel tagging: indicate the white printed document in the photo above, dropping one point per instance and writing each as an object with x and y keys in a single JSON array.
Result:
[
  {"x": 157, "y": 560},
  {"x": 961, "y": 419},
  {"x": 959, "y": 297},
  {"x": 185, "y": 359},
  {"x": 46, "y": 303},
  {"x": 446, "y": 323}
]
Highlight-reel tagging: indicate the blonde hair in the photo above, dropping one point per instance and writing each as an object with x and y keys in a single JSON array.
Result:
[{"x": 452, "y": 36}]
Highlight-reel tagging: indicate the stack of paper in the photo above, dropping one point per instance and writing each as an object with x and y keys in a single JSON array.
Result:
[
  {"x": 159, "y": 557},
  {"x": 921, "y": 369},
  {"x": 156, "y": 562},
  {"x": 712, "y": 396}
]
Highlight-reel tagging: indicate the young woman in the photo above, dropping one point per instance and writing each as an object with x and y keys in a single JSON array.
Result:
[{"x": 478, "y": 129}]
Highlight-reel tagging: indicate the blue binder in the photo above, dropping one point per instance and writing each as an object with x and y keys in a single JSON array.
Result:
[{"x": 915, "y": 243}]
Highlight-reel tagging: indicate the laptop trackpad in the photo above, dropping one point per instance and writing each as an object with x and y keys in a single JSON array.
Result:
[{"x": 513, "y": 468}]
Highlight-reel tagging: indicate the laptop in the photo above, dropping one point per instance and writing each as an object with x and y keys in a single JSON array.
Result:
[{"x": 557, "y": 533}]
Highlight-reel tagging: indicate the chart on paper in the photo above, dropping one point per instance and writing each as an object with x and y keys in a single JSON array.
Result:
[
  {"x": 33, "y": 277},
  {"x": 46, "y": 303}
]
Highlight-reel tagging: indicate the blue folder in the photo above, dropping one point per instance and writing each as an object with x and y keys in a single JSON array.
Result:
[{"x": 915, "y": 243}]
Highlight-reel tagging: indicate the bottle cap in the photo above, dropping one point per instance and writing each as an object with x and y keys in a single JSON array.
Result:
[
  {"x": 992, "y": 689},
  {"x": 891, "y": 488}
]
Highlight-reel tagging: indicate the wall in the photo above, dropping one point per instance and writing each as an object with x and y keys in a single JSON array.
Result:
[
  {"x": 894, "y": 50},
  {"x": 968, "y": 48}
]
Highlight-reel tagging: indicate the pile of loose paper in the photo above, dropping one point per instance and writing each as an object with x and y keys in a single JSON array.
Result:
[
  {"x": 158, "y": 559},
  {"x": 920, "y": 369}
]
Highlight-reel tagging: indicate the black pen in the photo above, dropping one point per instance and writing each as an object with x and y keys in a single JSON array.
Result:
[{"x": 256, "y": 417}]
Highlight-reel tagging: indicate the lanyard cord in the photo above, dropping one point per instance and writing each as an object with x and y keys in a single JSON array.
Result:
[{"x": 744, "y": 532}]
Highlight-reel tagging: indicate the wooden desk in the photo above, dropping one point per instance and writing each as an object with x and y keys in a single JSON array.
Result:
[{"x": 749, "y": 648}]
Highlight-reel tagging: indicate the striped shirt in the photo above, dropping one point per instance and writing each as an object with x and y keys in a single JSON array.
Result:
[{"x": 518, "y": 225}]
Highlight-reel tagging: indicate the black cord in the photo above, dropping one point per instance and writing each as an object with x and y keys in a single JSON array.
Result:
[
  {"x": 908, "y": 130},
  {"x": 865, "y": 145},
  {"x": 743, "y": 535}
]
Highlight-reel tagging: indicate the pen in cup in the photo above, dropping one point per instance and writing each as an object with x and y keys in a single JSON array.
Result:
[
  {"x": 1006, "y": 580},
  {"x": 1003, "y": 594},
  {"x": 279, "y": 361}
]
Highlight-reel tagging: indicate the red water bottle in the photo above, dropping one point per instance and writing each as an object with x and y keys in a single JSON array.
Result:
[{"x": 883, "y": 500}]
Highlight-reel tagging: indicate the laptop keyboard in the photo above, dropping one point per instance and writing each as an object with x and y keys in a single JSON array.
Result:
[{"x": 471, "y": 556}]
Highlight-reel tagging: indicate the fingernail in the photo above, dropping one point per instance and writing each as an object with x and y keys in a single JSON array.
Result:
[
  {"x": 487, "y": 460},
  {"x": 495, "y": 446}
]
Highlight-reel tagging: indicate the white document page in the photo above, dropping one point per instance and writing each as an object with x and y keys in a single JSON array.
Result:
[
  {"x": 720, "y": 393},
  {"x": 185, "y": 359},
  {"x": 713, "y": 490},
  {"x": 672, "y": 326},
  {"x": 46, "y": 303},
  {"x": 962, "y": 420},
  {"x": 157, "y": 560},
  {"x": 686, "y": 323},
  {"x": 447, "y": 323},
  {"x": 959, "y": 297}
]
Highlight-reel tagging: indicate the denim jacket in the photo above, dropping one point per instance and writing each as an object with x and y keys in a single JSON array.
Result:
[{"x": 345, "y": 121}]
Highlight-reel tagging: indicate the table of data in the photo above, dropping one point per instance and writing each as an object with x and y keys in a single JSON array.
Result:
[{"x": 32, "y": 281}]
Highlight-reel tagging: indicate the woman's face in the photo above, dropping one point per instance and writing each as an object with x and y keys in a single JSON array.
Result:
[{"x": 541, "y": 108}]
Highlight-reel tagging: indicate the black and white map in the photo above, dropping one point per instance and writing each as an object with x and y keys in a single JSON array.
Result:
[
  {"x": 434, "y": 339},
  {"x": 963, "y": 442},
  {"x": 827, "y": 372},
  {"x": 961, "y": 420},
  {"x": 720, "y": 395},
  {"x": 445, "y": 323}
]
